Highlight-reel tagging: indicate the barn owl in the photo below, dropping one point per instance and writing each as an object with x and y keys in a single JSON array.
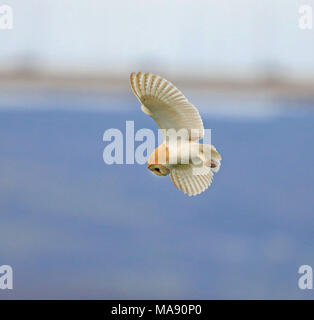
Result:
[{"x": 189, "y": 163}]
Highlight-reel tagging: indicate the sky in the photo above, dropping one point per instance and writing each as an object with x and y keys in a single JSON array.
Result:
[{"x": 225, "y": 38}]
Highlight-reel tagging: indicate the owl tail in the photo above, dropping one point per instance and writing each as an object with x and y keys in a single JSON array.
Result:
[{"x": 210, "y": 156}]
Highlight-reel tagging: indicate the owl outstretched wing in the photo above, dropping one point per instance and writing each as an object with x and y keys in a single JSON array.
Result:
[
  {"x": 191, "y": 179},
  {"x": 166, "y": 104}
]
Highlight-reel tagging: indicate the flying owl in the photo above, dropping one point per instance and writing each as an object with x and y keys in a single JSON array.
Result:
[{"x": 190, "y": 164}]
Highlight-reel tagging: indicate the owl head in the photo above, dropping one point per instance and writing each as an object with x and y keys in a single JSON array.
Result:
[
  {"x": 158, "y": 169},
  {"x": 157, "y": 162}
]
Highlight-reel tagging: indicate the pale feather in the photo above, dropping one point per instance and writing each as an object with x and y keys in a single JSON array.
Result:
[
  {"x": 167, "y": 105},
  {"x": 191, "y": 179}
]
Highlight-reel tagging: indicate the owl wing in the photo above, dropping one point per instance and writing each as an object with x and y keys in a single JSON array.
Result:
[
  {"x": 166, "y": 104},
  {"x": 191, "y": 179}
]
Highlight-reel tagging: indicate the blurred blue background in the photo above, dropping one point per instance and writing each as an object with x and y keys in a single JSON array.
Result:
[{"x": 73, "y": 227}]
